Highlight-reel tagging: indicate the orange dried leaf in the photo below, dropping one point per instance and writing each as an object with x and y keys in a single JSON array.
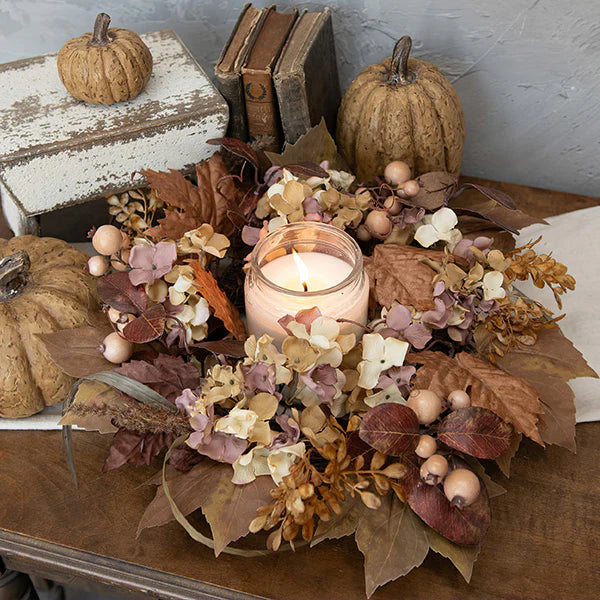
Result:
[{"x": 207, "y": 285}]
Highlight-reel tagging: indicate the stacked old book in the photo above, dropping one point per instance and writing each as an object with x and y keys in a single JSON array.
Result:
[{"x": 278, "y": 74}]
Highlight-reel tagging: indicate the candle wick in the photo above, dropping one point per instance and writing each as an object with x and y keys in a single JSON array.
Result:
[{"x": 305, "y": 286}]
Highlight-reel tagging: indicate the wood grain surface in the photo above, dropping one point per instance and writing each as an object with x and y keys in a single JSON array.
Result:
[{"x": 544, "y": 541}]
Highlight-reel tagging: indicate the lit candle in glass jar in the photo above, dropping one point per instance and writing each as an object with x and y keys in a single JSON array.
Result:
[{"x": 302, "y": 265}]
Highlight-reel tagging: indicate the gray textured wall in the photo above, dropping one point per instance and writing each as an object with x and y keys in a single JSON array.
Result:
[{"x": 527, "y": 71}]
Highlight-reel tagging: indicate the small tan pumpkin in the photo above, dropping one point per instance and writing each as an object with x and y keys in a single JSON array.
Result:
[
  {"x": 106, "y": 66},
  {"x": 44, "y": 288},
  {"x": 401, "y": 109}
]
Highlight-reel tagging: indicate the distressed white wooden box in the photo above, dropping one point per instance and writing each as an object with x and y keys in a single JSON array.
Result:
[{"x": 56, "y": 151}]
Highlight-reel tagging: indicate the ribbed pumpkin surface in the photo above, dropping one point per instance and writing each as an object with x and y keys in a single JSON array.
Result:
[
  {"x": 420, "y": 122},
  {"x": 116, "y": 70},
  {"x": 56, "y": 296}
]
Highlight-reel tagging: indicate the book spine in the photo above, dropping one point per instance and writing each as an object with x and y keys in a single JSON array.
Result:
[
  {"x": 261, "y": 107},
  {"x": 293, "y": 105},
  {"x": 230, "y": 86}
]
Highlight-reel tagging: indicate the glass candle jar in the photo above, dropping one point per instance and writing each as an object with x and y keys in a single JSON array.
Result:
[{"x": 301, "y": 265}]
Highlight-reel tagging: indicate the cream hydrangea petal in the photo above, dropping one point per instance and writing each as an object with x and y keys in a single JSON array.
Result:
[
  {"x": 444, "y": 219},
  {"x": 332, "y": 357},
  {"x": 238, "y": 422},
  {"x": 325, "y": 326},
  {"x": 243, "y": 472},
  {"x": 426, "y": 235},
  {"x": 298, "y": 330},
  {"x": 368, "y": 374},
  {"x": 201, "y": 312},
  {"x": 275, "y": 189},
  {"x": 261, "y": 433},
  {"x": 264, "y": 405},
  {"x": 395, "y": 351},
  {"x": 390, "y": 395},
  {"x": 373, "y": 346}
]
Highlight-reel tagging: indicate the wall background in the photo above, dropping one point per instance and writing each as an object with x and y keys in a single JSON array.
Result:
[{"x": 527, "y": 71}]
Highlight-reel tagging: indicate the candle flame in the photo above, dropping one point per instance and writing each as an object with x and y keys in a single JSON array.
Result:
[{"x": 302, "y": 270}]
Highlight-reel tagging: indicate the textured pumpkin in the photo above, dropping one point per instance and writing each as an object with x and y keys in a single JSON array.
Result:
[
  {"x": 401, "y": 109},
  {"x": 44, "y": 288},
  {"x": 106, "y": 66}
]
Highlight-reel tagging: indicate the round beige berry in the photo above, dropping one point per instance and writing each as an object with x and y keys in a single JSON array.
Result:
[
  {"x": 459, "y": 399},
  {"x": 426, "y": 446},
  {"x": 392, "y": 205},
  {"x": 462, "y": 487},
  {"x": 411, "y": 188},
  {"x": 397, "y": 172},
  {"x": 363, "y": 234},
  {"x": 119, "y": 261},
  {"x": 107, "y": 240},
  {"x": 378, "y": 223},
  {"x": 434, "y": 469},
  {"x": 426, "y": 404},
  {"x": 116, "y": 349},
  {"x": 97, "y": 266}
]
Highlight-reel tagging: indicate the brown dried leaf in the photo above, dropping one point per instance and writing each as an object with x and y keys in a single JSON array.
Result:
[
  {"x": 393, "y": 541},
  {"x": 391, "y": 429},
  {"x": 76, "y": 352},
  {"x": 205, "y": 203},
  {"x": 342, "y": 524},
  {"x": 230, "y": 508},
  {"x": 462, "y": 557},
  {"x": 509, "y": 219},
  {"x": 436, "y": 188},
  {"x": 207, "y": 285},
  {"x": 511, "y": 398},
  {"x": 400, "y": 275},
  {"x": 497, "y": 196},
  {"x": 472, "y": 227},
  {"x": 475, "y": 431},
  {"x": 504, "y": 460},
  {"x": 315, "y": 146},
  {"x": 466, "y": 526},
  {"x": 148, "y": 326}
]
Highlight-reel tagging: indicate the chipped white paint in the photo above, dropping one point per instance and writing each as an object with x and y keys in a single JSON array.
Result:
[{"x": 56, "y": 151}]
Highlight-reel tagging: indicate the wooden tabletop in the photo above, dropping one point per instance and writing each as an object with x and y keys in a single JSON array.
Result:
[{"x": 544, "y": 541}]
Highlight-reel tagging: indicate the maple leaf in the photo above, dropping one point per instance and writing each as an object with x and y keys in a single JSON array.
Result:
[
  {"x": 462, "y": 557},
  {"x": 223, "y": 309},
  {"x": 228, "y": 508},
  {"x": 136, "y": 448},
  {"x": 206, "y": 202},
  {"x": 511, "y": 398},
  {"x": 400, "y": 275},
  {"x": 393, "y": 541}
]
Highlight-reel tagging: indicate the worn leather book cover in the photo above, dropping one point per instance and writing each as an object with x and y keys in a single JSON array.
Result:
[
  {"x": 228, "y": 70},
  {"x": 257, "y": 76},
  {"x": 306, "y": 76}
]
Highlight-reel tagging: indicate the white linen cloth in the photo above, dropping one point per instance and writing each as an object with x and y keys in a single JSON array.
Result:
[{"x": 573, "y": 240}]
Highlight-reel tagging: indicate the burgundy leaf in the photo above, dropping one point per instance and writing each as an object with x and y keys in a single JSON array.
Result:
[
  {"x": 466, "y": 526},
  {"x": 238, "y": 148},
  {"x": 148, "y": 326},
  {"x": 232, "y": 348},
  {"x": 307, "y": 169},
  {"x": 136, "y": 448},
  {"x": 390, "y": 428},
  {"x": 167, "y": 375},
  {"x": 496, "y": 195},
  {"x": 476, "y": 431},
  {"x": 356, "y": 447},
  {"x": 119, "y": 293}
]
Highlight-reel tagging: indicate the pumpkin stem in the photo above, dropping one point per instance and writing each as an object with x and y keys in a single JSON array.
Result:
[
  {"x": 399, "y": 73},
  {"x": 13, "y": 275},
  {"x": 100, "y": 36}
]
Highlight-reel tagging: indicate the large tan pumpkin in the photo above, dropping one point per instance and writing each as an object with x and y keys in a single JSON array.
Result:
[
  {"x": 106, "y": 66},
  {"x": 401, "y": 109},
  {"x": 44, "y": 287}
]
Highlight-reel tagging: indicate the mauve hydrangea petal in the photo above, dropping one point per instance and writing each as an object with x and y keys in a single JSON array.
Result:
[
  {"x": 259, "y": 377},
  {"x": 141, "y": 256},
  {"x": 439, "y": 316},
  {"x": 290, "y": 434},
  {"x": 458, "y": 335},
  {"x": 439, "y": 288},
  {"x": 250, "y": 235},
  {"x": 399, "y": 376},
  {"x": 139, "y": 276},
  {"x": 387, "y": 332},
  {"x": 399, "y": 317},
  {"x": 186, "y": 400},
  {"x": 223, "y": 448},
  {"x": 311, "y": 205},
  {"x": 418, "y": 335},
  {"x": 273, "y": 175}
]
